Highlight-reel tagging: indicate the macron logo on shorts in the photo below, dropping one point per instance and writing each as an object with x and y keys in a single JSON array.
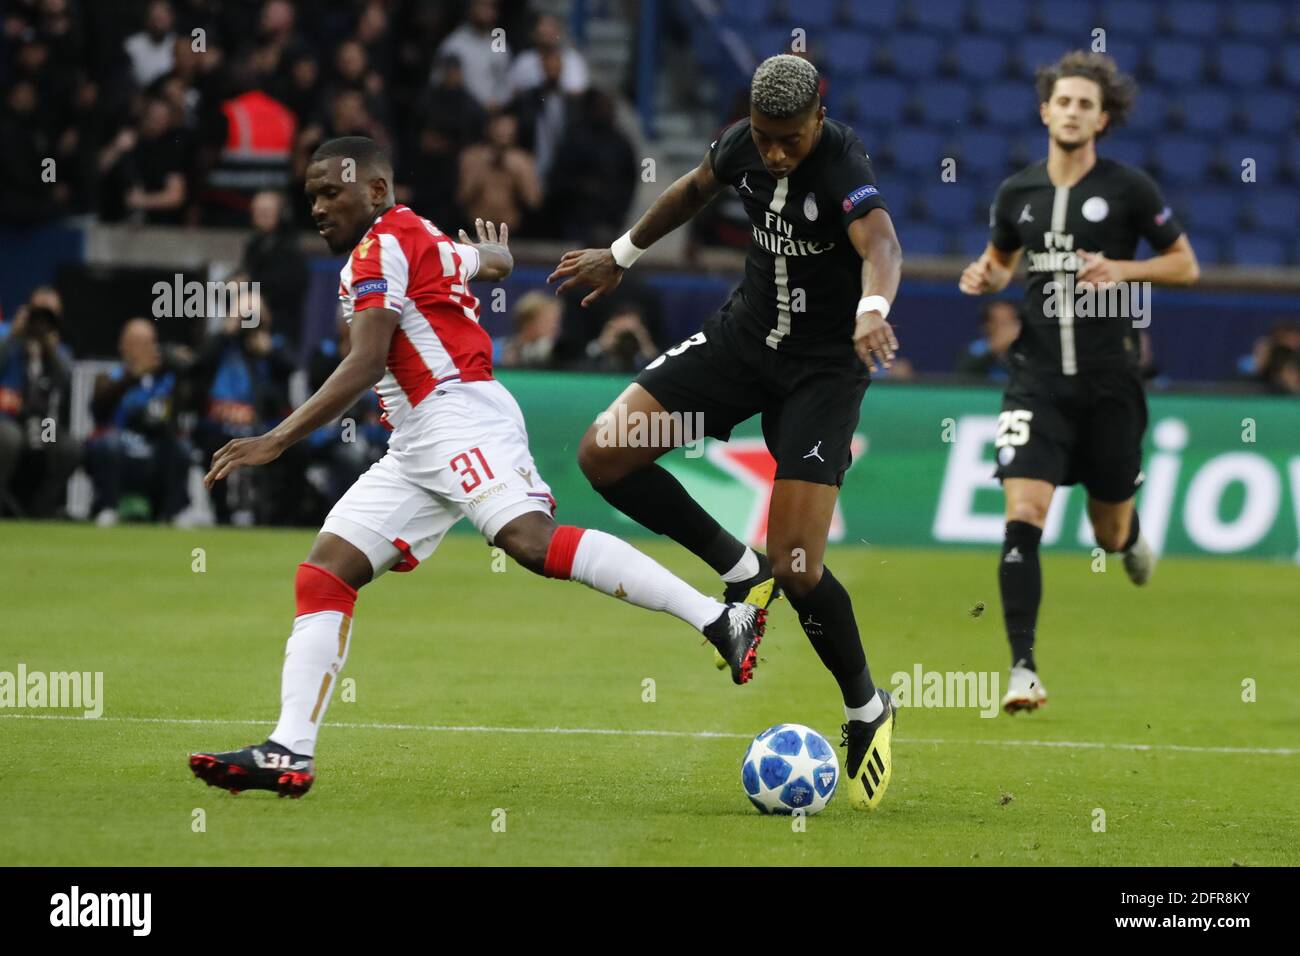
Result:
[
  {"x": 370, "y": 287},
  {"x": 859, "y": 194}
]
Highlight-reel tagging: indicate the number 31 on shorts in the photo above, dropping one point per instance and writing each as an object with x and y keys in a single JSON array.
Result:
[{"x": 1013, "y": 427}]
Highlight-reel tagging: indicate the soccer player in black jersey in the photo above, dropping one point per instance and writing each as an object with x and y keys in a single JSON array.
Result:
[
  {"x": 794, "y": 344},
  {"x": 1074, "y": 410}
]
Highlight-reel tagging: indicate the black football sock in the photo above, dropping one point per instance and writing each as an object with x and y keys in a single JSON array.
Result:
[
  {"x": 1021, "y": 579},
  {"x": 1133, "y": 532},
  {"x": 826, "y": 614},
  {"x": 653, "y": 498}
]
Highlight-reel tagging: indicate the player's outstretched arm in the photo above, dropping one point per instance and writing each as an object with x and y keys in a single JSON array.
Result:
[
  {"x": 602, "y": 269},
  {"x": 372, "y": 331},
  {"x": 875, "y": 240},
  {"x": 495, "y": 261},
  {"x": 991, "y": 272}
]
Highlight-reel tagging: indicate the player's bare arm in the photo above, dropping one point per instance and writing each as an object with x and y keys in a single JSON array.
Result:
[
  {"x": 372, "y": 331},
  {"x": 1174, "y": 265},
  {"x": 991, "y": 272},
  {"x": 678, "y": 204},
  {"x": 875, "y": 240},
  {"x": 495, "y": 260}
]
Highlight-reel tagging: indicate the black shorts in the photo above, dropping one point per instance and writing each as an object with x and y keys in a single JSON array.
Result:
[
  {"x": 809, "y": 405},
  {"x": 1081, "y": 429}
]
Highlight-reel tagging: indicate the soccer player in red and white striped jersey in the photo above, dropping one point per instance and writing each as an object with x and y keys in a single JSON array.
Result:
[{"x": 458, "y": 448}]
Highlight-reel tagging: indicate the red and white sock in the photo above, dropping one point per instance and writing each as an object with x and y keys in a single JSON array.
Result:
[
  {"x": 314, "y": 656},
  {"x": 612, "y": 566}
]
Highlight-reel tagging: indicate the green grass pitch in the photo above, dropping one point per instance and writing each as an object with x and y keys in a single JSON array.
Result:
[{"x": 192, "y": 661}]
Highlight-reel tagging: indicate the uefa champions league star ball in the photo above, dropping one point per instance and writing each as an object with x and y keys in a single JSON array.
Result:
[{"x": 789, "y": 767}]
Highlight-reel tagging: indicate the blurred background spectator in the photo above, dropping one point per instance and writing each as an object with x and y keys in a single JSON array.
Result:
[
  {"x": 274, "y": 259},
  {"x": 535, "y": 328},
  {"x": 986, "y": 357},
  {"x": 498, "y": 180}
]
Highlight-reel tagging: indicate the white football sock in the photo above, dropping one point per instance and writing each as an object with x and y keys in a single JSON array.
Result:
[
  {"x": 745, "y": 568},
  {"x": 313, "y": 657},
  {"x": 607, "y": 564},
  {"x": 868, "y": 711}
]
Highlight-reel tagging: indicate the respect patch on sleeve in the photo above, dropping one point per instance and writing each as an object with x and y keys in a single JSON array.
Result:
[
  {"x": 370, "y": 287},
  {"x": 859, "y": 194}
]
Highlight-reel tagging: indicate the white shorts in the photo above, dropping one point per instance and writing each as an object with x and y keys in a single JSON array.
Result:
[{"x": 461, "y": 453}]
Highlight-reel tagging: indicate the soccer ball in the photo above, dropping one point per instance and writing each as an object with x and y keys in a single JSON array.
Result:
[{"x": 789, "y": 767}]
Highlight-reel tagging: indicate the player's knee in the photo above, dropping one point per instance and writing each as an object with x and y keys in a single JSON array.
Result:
[
  {"x": 1109, "y": 537},
  {"x": 526, "y": 544},
  {"x": 597, "y": 460},
  {"x": 794, "y": 571},
  {"x": 1029, "y": 511}
]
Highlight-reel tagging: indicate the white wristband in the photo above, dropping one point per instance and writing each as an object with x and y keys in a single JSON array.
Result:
[
  {"x": 624, "y": 252},
  {"x": 874, "y": 303}
]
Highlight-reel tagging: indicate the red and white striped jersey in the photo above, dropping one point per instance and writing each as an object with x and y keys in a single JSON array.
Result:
[{"x": 406, "y": 264}]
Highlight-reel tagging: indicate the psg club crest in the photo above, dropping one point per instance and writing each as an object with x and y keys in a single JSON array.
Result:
[
  {"x": 1095, "y": 209},
  {"x": 810, "y": 208}
]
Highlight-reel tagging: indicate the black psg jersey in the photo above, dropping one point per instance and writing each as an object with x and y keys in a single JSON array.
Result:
[
  {"x": 803, "y": 277},
  {"x": 1065, "y": 329}
]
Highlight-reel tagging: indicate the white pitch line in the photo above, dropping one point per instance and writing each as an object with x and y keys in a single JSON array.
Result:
[{"x": 694, "y": 734}]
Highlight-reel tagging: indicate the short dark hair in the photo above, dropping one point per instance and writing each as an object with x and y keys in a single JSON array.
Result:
[
  {"x": 1118, "y": 90},
  {"x": 370, "y": 156}
]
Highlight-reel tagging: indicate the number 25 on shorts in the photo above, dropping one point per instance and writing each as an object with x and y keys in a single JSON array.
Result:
[{"x": 1013, "y": 427}]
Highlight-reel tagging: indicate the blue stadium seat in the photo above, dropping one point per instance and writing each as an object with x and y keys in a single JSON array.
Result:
[
  {"x": 981, "y": 153},
  {"x": 1032, "y": 52},
  {"x": 1126, "y": 54},
  {"x": 811, "y": 14},
  {"x": 880, "y": 100},
  {"x": 898, "y": 198},
  {"x": 1209, "y": 249},
  {"x": 1251, "y": 250},
  {"x": 1006, "y": 16},
  {"x": 770, "y": 41},
  {"x": 1205, "y": 109},
  {"x": 950, "y": 204},
  {"x": 921, "y": 239},
  {"x": 1273, "y": 212},
  {"x": 1291, "y": 157},
  {"x": 1211, "y": 210},
  {"x": 915, "y": 54},
  {"x": 1263, "y": 21},
  {"x": 848, "y": 54},
  {"x": 1291, "y": 65},
  {"x": 916, "y": 149},
  {"x": 1010, "y": 104},
  {"x": 938, "y": 16},
  {"x": 741, "y": 12},
  {"x": 1131, "y": 18},
  {"x": 1196, "y": 18},
  {"x": 1182, "y": 159},
  {"x": 1064, "y": 18},
  {"x": 979, "y": 57},
  {"x": 1125, "y": 147},
  {"x": 946, "y": 102},
  {"x": 879, "y": 15},
  {"x": 974, "y": 239},
  {"x": 1242, "y": 64},
  {"x": 1266, "y": 151},
  {"x": 1269, "y": 111},
  {"x": 1175, "y": 61},
  {"x": 1150, "y": 110}
]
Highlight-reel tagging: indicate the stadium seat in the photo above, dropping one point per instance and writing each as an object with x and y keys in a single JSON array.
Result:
[
  {"x": 921, "y": 239},
  {"x": 1290, "y": 63},
  {"x": 848, "y": 54},
  {"x": 1175, "y": 61},
  {"x": 1213, "y": 211},
  {"x": 1150, "y": 111},
  {"x": 747, "y": 12},
  {"x": 1131, "y": 18},
  {"x": 974, "y": 239},
  {"x": 1182, "y": 158},
  {"x": 915, "y": 54},
  {"x": 949, "y": 204},
  {"x": 981, "y": 153},
  {"x": 771, "y": 41},
  {"x": 1125, "y": 147},
  {"x": 1242, "y": 64},
  {"x": 1064, "y": 18},
  {"x": 1009, "y": 105},
  {"x": 881, "y": 99},
  {"x": 1249, "y": 250},
  {"x": 1261, "y": 21},
  {"x": 1195, "y": 18},
  {"x": 1266, "y": 151},
  {"x": 916, "y": 149},
  {"x": 946, "y": 102},
  {"x": 1034, "y": 51},
  {"x": 1209, "y": 249},
  {"x": 1127, "y": 55},
  {"x": 1290, "y": 159},
  {"x": 979, "y": 57},
  {"x": 1269, "y": 111},
  {"x": 897, "y": 197},
  {"x": 1006, "y": 16},
  {"x": 881, "y": 16},
  {"x": 1203, "y": 109},
  {"x": 937, "y": 16},
  {"x": 812, "y": 15},
  {"x": 1273, "y": 212}
]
